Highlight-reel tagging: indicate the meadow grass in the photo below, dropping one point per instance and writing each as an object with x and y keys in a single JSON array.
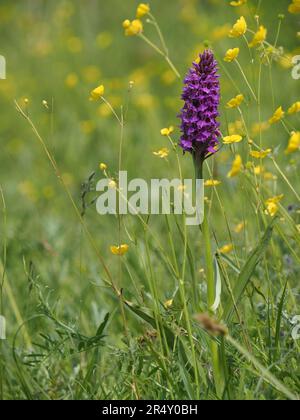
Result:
[{"x": 203, "y": 312}]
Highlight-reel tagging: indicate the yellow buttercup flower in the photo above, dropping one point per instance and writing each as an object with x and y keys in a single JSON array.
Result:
[
  {"x": 240, "y": 227},
  {"x": 237, "y": 3},
  {"x": 232, "y": 139},
  {"x": 260, "y": 155},
  {"x": 226, "y": 249},
  {"x": 133, "y": 28},
  {"x": 168, "y": 304},
  {"x": 294, "y": 143},
  {"x": 126, "y": 24},
  {"x": 97, "y": 93},
  {"x": 294, "y": 7},
  {"x": 236, "y": 167},
  {"x": 142, "y": 10},
  {"x": 235, "y": 102},
  {"x": 112, "y": 184},
  {"x": 103, "y": 167},
  {"x": 167, "y": 131},
  {"x": 239, "y": 28},
  {"x": 278, "y": 115},
  {"x": 258, "y": 170},
  {"x": 231, "y": 55},
  {"x": 259, "y": 37},
  {"x": 212, "y": 183},
  {"x": 163, "y": 153},
  {"x": 294, "y": 109},
  {"x": 120, "y": 250},
  {"x": 272, "y": 209},
  {"x": 272, "y": 205}
]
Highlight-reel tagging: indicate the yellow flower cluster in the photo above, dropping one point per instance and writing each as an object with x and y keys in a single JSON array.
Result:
[
  {"x": 294, "y": 7},
  {"x": 231, "y": 55},
  {"x": 97, "y": 93},
  {"x": 260, "y": 155},
  {"x": 272, "y": 205},
  {"x": 236, "y": 102},
  {"x": 167, "y": 131},
  {"x": 239, "y": 28},
  {"x": 237, "y": 3},
  {"x": 120, "y": 250},
  {"x": 142, "y": 10},
  {"x": 235, "y": 138},
  {"x": 212, "y": 183},
  {"x": 294, "y": 109},
  {"x": 135, "y": 27},
  {"x": 163, "y": 153},
  {"x": 259, "y": 37},
  {"x": 236, "y": 167},
  {"x": 294, "y": 143},
  {"x": 226, "y": 249},
  {"x": 278, "y": 115}
]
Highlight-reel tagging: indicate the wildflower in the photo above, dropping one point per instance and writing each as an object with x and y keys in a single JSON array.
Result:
[
  {"x": 240, "y": 227},
  {"x": 237, "y": 3},
  {"x": 103, "y": 167},
  {"x": 294, "y": 109},
  {"x": 236, "y": 167},
  {"x": 231, "y": 55},
  {"x": 120, "y": 250},
  {"x": 259, "y": 37},
  {"x": 212, "y": 183},
  {"x": 168, "y": 304},
  {"x": 239, "y": 28},
  {"x": 45, "y": 104},
  {"x": 97, "y": 93},
  {"x": 278, "y": 115},
  {"x": 294, "y": 143},
  {"x": 232, "y": 139},
  {"x": 294, "y": 7},
  {"x": 260, "y": 155},
  {"x": 142, "y": 10},
  {"x": 112, "y": 184},
  {"x": 26, "y": 101},
  {"x": 133, "y": 28},
  {"x": 272, "y": 205},
  {"x": 212, "y": 326},
  {"x": 272, "y": 209},
  {"x": 167, "y": 131},
  {"x": 226, "y": 249},
  {"x": 236, "y": 102},
  {"x": 201, "y": 93},
  {"x": 258, "y": 170},
  {"x": 163, "y": 153}
]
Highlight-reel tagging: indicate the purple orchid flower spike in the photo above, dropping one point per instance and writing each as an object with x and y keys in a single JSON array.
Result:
[{"x": 199, "y": 124}]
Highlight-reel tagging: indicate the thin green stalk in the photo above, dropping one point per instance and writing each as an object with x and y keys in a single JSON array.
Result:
[
  {"x": 266, "y": 374},
  {"x": 160, "y": 52},
  {"x": 185, "y": 310},
  {"x": 246, "y": 80},
  {"x": 2, "y": 280},
  {"x": 218, "y": 376}
]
